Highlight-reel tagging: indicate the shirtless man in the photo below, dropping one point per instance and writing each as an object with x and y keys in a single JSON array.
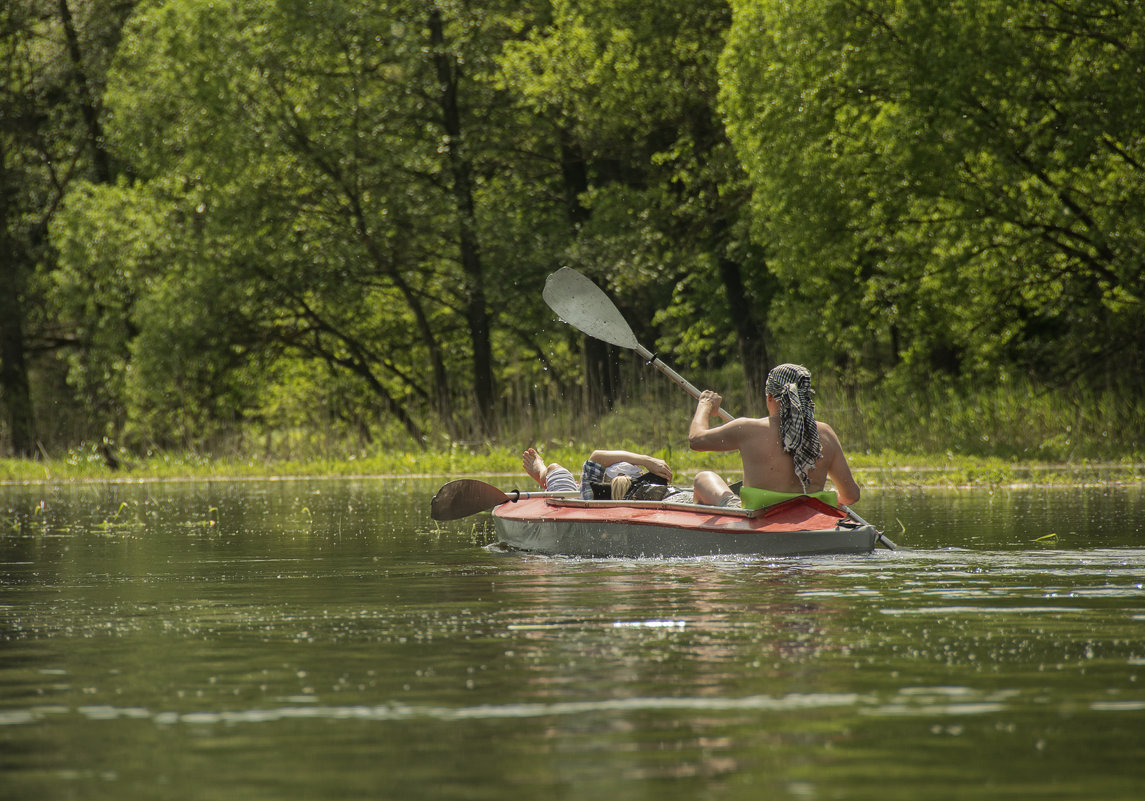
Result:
[{"x": 788, "y": 451}]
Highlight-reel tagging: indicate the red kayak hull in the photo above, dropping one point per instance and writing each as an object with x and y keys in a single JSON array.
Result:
[{"x": 572, "y": 527}]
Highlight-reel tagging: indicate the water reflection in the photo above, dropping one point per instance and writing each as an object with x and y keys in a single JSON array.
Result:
[{"x": 324, "y": 639}]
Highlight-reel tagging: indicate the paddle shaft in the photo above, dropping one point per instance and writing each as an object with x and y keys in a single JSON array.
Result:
[
  {"x": 512, "y": 496},
  {"x": 676, "y": 377},
  {"x": 883, "y": 538}
]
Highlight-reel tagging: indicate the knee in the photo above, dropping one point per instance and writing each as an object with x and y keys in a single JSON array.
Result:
[
  {"x": 707, "y": 478},
  {"x": 709, "y": 488}
]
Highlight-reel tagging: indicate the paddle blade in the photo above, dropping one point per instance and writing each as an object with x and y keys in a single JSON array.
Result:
[
  {"x": 583, "y": 305},
  {"x": 464, "y": 497}
]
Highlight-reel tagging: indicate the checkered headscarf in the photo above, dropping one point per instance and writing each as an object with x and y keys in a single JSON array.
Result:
[{"x": 790, "y": 384}]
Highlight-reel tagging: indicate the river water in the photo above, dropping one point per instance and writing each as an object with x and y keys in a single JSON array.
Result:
[{"x": 326, "y": 640}]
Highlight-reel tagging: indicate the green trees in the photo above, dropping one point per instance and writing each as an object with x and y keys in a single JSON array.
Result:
[
  {"x": 316, "y": 171},
  {"x": 54, "y": 55},
  {"x": 340, "y": 213},
  {"x": 342, "y": 182},
  {"x": 959, "y": 185},
  {"x": 654, "y": 193}
]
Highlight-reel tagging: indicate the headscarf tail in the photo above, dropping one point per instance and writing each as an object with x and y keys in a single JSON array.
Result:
[{"x": 790, "y": 384}]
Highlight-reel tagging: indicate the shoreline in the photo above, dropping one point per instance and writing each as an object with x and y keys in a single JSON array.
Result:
[{"x": 972, "y": 476}]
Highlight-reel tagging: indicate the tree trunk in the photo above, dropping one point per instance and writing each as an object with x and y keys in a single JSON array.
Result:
[
  {"x": 14, "y": 371},
  {"x": 101, "y": 164},
  {"x": 600, "y": 368},
  {"x": 14, "y": 389},
  {"x": 601, "y": 375},
  {"x": 476, "y": 310},
  {"x": 749, "y": 328},
  {"x": 574, "y": 171}
]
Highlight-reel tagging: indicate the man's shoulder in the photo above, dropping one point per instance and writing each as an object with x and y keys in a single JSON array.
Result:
[
  {"x": 754, "y": 431},
  {"x": 753, "y": 423},
  {"x": 827, "y": 438}
]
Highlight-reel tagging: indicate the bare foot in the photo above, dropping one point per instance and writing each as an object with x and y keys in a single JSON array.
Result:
[{"x": 534, "y": 465}]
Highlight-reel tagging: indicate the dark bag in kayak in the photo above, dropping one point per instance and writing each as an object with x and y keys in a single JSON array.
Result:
[{"x": 648, "y": 487}]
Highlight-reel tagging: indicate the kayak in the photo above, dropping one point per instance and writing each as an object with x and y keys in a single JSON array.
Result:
[{"x": 633, "y": 529}]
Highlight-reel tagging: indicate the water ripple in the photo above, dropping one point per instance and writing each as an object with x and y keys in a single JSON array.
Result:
[{"x": 935, "y": 701}]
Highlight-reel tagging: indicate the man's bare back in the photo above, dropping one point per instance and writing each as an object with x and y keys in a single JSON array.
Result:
[{"x": 765, "y": 465}]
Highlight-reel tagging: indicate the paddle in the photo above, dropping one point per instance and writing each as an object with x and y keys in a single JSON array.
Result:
[
  {"x": 468, "y": 496},
  {"x": 583, "y": 305},
  {"x": 883, "y": 538}
]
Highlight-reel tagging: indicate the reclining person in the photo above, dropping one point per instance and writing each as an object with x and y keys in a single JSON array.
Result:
[
  {"x": 622, "y": 475},
  {"x": 786, "y": 454}
]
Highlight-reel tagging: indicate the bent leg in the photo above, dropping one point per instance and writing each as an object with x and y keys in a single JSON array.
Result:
[
  {"x": 558, "y": 479},
  {"x": 711, "y": 490},
  {"x": 552, "y": 477}
]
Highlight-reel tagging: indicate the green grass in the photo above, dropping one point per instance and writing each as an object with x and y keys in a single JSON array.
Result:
[
  {"x": 1008, "y": 420},
  {"x": 884, "y": 469},
  {"x": 1007, "y": 434}
]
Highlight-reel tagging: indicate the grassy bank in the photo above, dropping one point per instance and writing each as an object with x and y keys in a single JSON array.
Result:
[
  {"x": 887, "y": 469},
  {"x": 1009, "y": 433}
]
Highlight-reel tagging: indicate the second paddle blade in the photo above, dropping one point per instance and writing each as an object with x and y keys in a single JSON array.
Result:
[{"x": 464, "y": 497}]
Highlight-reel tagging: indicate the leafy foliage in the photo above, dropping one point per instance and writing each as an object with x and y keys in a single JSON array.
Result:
[
  {"x": 965, "y": 178},
  {"x": 336, "y": 216}
]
